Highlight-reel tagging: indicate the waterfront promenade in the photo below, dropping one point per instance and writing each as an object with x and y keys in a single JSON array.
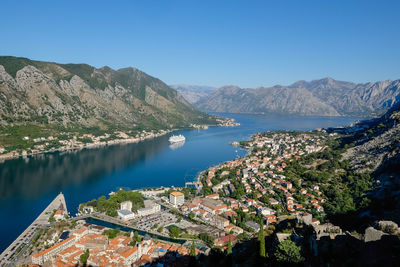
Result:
[{"x": 11, "y": 254}]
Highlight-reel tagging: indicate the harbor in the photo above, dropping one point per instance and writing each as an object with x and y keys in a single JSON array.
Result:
[{"x": 18, "y": 247}]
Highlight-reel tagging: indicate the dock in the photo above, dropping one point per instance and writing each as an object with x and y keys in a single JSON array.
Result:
[{"x": 11, "y": 254}]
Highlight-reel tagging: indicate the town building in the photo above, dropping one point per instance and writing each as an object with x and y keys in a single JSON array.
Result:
[
  {"x": 150, "y": 207},
  {"x": 176, "y": 198},
  {"x": 125, "y": 211},
  {"x": 253, "y": 225}
]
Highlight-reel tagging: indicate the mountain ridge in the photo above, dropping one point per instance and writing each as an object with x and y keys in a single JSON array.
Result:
[
  {"x": 322, "y": 97},
  {"x": 66, "y": 94},
  {"x": 192, "y": 93}
]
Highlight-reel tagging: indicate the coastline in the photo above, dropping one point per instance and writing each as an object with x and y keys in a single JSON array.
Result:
[
  {"x": 75, "y": 145},
  {"x": 78, "y": 147}
]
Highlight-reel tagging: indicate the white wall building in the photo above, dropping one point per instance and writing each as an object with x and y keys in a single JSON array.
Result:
[
  {"x": 126, "y": 215},
  {"x": 177, "y": 198},
  {"x": 126, "y": 205},
  {"x": 150, "y": 207}
]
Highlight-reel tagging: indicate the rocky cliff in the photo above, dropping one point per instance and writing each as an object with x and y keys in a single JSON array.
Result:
[
  {"x": 374, "y": 147},
  {"x": 79, "y": 95}
]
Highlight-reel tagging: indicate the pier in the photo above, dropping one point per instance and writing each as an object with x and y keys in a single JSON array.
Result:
[
  {"x": 195, "y": 184},
  {"x": 11, "y": 254}
]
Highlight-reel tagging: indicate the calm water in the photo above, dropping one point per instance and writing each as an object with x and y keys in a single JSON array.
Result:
[{"x": 27, "y": 186}]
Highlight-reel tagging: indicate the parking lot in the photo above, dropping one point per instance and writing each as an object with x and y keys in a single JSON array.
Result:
[{"x": 161, "y": 218}]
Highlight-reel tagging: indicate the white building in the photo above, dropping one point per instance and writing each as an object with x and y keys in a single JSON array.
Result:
[
  {"x": 126, "y": 205},
  {"x": 125, "y": 213},
  {"x": 88, "y": 209},
  {"x": 41, "y": 257},
  {"x": 59, "y": 215},
  {"x": 265, "y": 211},
  {"x": 176, "y": 198},
  {"x": 150, "y": 207}
]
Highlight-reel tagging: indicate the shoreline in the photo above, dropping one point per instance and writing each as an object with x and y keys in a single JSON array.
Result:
[
  {"x": 80, "y": 147},
  {"x": 124, "y": 139}
]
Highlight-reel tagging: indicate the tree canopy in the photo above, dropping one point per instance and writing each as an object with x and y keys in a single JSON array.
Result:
[{"x": 288, "y": 252}]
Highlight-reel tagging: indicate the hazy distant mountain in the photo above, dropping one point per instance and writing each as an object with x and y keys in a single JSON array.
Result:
[
  {"x": 79, "y": 95},
  {"x": 193, "y": 93},
  {"x": 325, "y": 97}
]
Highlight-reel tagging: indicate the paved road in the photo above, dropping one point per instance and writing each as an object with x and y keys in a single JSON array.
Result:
[{"x": 9, "y": 255}]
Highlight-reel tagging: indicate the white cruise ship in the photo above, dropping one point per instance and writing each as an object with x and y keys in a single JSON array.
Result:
[{"x": 176, "y": 139}]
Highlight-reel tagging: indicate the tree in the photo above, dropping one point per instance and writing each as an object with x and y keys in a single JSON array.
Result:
[
  {"x": 261, "y": 238},
  {"x": 191, "y": 215},
  {"x": 136, "y": 237},
  {"x": 209, "y": 240},
  {"x": 84, "y": 257},
  {"x": 174, "y": 231},
  {"x": 111, "y": 233},
  {"x": 288, "y": 252},
  {"x": 229, "y": 251},
  {"x": 160, "y": 229},
  {"x": 132, "y": 243},
  {"x": 193, "y": 250}
]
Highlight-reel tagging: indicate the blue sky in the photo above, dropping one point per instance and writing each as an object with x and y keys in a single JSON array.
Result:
[{"x": 246, "y": 43}]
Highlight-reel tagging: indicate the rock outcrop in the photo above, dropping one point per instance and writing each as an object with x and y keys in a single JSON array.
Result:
[{"x": 79, "y": 95}]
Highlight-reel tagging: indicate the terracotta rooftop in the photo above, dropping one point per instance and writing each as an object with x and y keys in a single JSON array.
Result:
[
  {"x": 177, "y": 194},
  {"x": 37, "y": 255}
]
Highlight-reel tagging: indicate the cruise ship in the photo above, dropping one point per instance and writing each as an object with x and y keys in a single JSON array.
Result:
[{"x": 176, "y": 139}]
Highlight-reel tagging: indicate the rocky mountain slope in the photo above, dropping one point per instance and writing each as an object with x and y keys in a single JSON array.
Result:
[
  {"x": 79, "y": 95},
  {"x": 374, "y": 147},
  {"x": 325, "y": 97},
  {"x": 193, "y": 93}
]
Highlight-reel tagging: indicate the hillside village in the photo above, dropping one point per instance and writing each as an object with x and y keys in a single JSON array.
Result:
[{"x": 231, "y": 203}]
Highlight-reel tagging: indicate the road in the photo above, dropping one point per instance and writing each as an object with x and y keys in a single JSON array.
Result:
[{"x": 9, "y": 255}]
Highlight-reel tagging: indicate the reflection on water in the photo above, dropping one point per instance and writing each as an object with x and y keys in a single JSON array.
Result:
[
  {"x": 176, "y": 145},
  {"x": 33, "y": 176}
]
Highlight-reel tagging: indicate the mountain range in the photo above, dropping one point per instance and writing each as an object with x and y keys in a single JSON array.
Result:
[
  {"x": 193, "y": 93},
  {"x": 324, "y": 97},
  {"x": 80, "y": 95}
]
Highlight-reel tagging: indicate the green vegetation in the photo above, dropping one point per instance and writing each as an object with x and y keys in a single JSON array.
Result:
[
  {"x": 174, "y": 231},
  {"x": 51, "y": 218},
  {"x": 193, "y": 250},
  {"x": 36, "y": 237},
  {"x": 261, "y": 239},
  {"x": 229, "y": 250},
  {"x": 111, "y": 233},
  {"x": 172, "y": 112},
  {"x": 14, "y": 64},
  {"x": 208, "y": 239},
  {"x": 343, "y": 187},
  {"x": 84, "y": 257},
  {"x": 288, "y": 252},
  {"x": 136, "y": 237},
  {"x": 111, "y": 205}
]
